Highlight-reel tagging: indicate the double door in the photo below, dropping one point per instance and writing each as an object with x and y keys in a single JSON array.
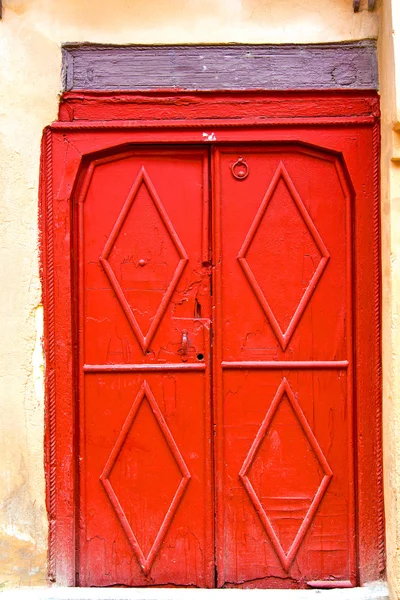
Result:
[{"x": 215, "y": 368}]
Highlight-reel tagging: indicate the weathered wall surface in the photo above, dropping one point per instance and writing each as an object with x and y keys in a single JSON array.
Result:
[{"x": 31, "y": 34}]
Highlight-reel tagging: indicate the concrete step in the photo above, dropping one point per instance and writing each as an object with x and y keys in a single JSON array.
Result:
[{"x": 376, "y": 591}]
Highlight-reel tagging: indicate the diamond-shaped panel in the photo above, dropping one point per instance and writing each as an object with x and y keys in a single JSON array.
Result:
[
  {"x": 143, "y": 259},
  {"x": 145, "y": 478},
  {"x": 285, "y": 474},
  {"x": 283, "y": 256}
]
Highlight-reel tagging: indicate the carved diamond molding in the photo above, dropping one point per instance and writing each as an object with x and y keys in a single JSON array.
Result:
[
  {"x": 145, "y": 395},
  {"x": 284, "y": 391},
  {"x": 283, "y": 336},
  {"x": 143, "y": 180}
]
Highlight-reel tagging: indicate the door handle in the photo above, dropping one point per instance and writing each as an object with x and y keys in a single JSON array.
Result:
[{"x": 184, "y": 345}]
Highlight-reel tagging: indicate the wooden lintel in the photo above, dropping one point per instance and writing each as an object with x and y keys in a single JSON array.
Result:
[{"x": 347, "y": 65}]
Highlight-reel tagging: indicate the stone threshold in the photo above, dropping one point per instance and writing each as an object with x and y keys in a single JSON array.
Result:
[{"x": 374, "y": 591}]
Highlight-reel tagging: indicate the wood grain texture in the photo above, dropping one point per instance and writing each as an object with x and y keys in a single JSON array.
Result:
[{"x": 221, "y": 67}]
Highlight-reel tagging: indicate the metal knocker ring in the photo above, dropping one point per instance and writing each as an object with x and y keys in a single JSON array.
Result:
[{"x": 240, "y": 169}]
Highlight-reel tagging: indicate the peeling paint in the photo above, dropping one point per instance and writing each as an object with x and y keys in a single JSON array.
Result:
[
  {"x": 21, "y": 563},
  {"x": 209, "y": 137},
  {"x": 12, "y": 531},
  {"x": 38, "y": 355}
]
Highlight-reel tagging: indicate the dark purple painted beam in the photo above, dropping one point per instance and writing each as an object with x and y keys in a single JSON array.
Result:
[{"x": 350, "y": 65}]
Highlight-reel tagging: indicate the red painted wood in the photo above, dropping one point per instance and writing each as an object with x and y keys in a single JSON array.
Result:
[
  {"x": 145, "y": 462},
  {"x": 286, "y": 255},
  {"x": 307, "y": 383},
  {"x": 240, "y": 106}
]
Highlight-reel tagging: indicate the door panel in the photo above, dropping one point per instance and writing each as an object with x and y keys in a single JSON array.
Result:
[
  {"x": 284, "y": 243},
  {"x": 144, "y": 379},
  {"x": 145, "y": 480},
  {"x": 283, "y": 368},
  {"x": 143, "y": 220}
]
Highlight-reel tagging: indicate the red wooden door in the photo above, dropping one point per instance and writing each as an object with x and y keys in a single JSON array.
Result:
[
  {"x": 285, "y": 487},
  {"x": 281, "y": 407},
  {"x": 144, "y": 390}
]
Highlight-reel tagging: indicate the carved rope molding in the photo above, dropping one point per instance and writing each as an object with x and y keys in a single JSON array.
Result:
[
  {"x": 51, "y": 432},
  {"x": 348, "y": 65},
  {"x": 378, "y": 324}
]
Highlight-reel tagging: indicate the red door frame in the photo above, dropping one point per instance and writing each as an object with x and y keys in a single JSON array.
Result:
[{"x": 94, "y": 122}]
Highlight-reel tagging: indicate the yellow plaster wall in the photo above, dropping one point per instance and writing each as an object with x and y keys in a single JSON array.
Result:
[{"x": 31, "y": 33}]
